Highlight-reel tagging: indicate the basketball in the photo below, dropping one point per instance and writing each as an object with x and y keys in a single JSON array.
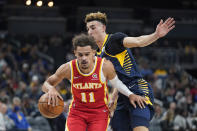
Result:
[{"x": 49, "y": 111}]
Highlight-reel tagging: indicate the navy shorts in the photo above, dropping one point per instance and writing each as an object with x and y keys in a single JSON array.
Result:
[
  {"x": 126, "y": 120},
  {"x": 126, "y": 117}
]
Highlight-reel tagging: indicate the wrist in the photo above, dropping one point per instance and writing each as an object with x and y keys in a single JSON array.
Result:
[
  {"x": 131, "y": 93},
  {"x": 48, "y": 86},
  {"x": 156, "y": 35},
  {"x": 51, "y": 88},
  {"x": 114, "y": 96}
]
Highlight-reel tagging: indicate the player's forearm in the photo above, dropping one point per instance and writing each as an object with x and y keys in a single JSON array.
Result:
[
  {"x": 147, "y": 39},
  {"x": 114, "y": 94},
  {"x": 116, "y": 83},
  {"x": 140, "y": 41}
]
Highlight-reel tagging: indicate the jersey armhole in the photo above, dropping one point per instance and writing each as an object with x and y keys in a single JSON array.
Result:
[
  {"x": 71, "y": 71},
  {"x": 102, "y": 76}
]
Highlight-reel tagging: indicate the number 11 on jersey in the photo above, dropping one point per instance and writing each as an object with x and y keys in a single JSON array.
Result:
[{"x": 84, "y": 98}]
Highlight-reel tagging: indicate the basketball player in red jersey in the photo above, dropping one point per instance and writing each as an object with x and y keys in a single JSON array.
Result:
[{"x": 88, "y": 75}]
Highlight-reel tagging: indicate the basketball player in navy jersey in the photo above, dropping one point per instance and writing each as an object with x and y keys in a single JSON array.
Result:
[{"x": 116, "y": 48}]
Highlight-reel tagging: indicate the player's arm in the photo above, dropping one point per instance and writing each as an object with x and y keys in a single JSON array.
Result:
[
  {"x": 162, "y": 29},
  {"x": 113, "y": 97},
  {"x": 113, "y": 101},
  {"x": 110, "y": 74},
  {"x": 49, "y": 85}
]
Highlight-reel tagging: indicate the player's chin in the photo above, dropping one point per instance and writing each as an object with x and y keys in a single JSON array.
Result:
[{"x": 84, "y": 67}]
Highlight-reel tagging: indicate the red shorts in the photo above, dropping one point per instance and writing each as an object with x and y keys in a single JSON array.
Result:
[{"x": 87, "y": 120}]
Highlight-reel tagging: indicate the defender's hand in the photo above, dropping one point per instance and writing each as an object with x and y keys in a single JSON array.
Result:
[
  {"x": 53, "y": 95},
  {"x": 112, "y": 104},
  {"x": 164, "y": 27},
  {"x": 141, "y": 101}
]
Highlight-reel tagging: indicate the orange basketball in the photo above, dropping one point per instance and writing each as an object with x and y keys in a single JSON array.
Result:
[{"x": 49, "y": 111}]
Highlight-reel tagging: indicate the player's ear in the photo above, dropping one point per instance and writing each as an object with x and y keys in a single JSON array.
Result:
[
  {"x": 94, "y": 52},
  {"x": 75, "y": 53}
]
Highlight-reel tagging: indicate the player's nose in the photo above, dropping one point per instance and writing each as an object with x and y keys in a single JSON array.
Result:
[
  {"x": 90, "y": 32},
  {"x": 84, "y": 57}
]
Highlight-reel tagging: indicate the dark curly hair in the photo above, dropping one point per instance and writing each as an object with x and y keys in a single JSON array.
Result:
[{"x": 84, "y": 40}]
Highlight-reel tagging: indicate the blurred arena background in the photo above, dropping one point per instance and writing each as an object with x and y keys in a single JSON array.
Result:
[{"x": 35, "y": 38}]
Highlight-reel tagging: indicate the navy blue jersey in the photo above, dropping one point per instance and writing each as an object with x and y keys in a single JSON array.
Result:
[
  {"x": 125, "y": 66},
  {"x": 121, "y": 57},
  {"x": 128, "y": 72}
]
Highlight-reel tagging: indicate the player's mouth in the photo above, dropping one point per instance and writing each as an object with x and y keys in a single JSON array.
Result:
[{"x": 84, "y": 62}]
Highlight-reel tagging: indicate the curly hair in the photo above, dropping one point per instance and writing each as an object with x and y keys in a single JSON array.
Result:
[
  {"x": 84, "y": 40},
  {"x": 98, "y": 16}
]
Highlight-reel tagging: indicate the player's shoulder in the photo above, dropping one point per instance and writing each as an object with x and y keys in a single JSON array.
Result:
[
  {"x": 64, "y": 70},
  {"x": 118, "y": 35},
  {"x": 65, "y": 66},
  {"x": 107, "y": 64}
]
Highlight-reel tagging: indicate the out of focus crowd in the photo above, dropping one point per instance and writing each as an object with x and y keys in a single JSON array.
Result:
[{"x": 26, "y": 61}]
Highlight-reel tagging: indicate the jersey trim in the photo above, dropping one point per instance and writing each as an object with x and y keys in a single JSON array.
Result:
[
  {"x": 72, "y": 76},
  {"x": 106, "y": 37},
  {"x": 71, "y": 72},
  {"x": 101, "y": 72},
  {"x": 106, "y": 94},
  {"x": 95, "y": 65}
]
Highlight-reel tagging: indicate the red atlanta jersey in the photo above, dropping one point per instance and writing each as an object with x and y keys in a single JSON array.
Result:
[{"x": 88, "y": 89}]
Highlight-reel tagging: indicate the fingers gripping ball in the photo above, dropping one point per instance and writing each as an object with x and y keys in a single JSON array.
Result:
[{"x": 50, "y": 111}]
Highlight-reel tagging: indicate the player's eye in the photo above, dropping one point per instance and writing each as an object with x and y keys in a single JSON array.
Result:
[
  {"x": 93, "y": 28},
  {"x": 80, "y": 54}
]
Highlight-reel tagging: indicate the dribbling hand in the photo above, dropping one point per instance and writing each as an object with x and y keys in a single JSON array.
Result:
[{"x": 53, "y": 95}]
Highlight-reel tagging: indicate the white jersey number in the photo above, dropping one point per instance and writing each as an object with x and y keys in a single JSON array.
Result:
[{"x": 84, "y": 99}]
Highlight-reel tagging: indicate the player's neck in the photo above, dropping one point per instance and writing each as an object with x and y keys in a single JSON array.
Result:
[
  {"x": 100, "y": 42},
  {"x": 88, "y": 70}
]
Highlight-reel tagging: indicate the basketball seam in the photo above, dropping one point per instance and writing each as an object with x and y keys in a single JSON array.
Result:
[
  {"x": 48, "y": 110},
  {"x": 47, "y": 102}
]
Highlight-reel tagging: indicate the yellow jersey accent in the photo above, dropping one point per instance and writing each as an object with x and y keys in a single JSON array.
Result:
[
  {"x": 108, "y": 123},
  {"x": 121, "y": 57},
  {"x": 101, "y": 70},
  {"x": 105, "y": 94},
  {"x": 148, "y": 101},
  {"x": 124, "y": 60},
  {"x": 72, "y": 76},
  {"x": 103, "y": 44}
]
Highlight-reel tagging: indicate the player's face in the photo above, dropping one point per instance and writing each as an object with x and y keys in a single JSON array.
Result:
[
  {"x": 95, "y": 29},
  {"x": 85, "y": 56}
]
